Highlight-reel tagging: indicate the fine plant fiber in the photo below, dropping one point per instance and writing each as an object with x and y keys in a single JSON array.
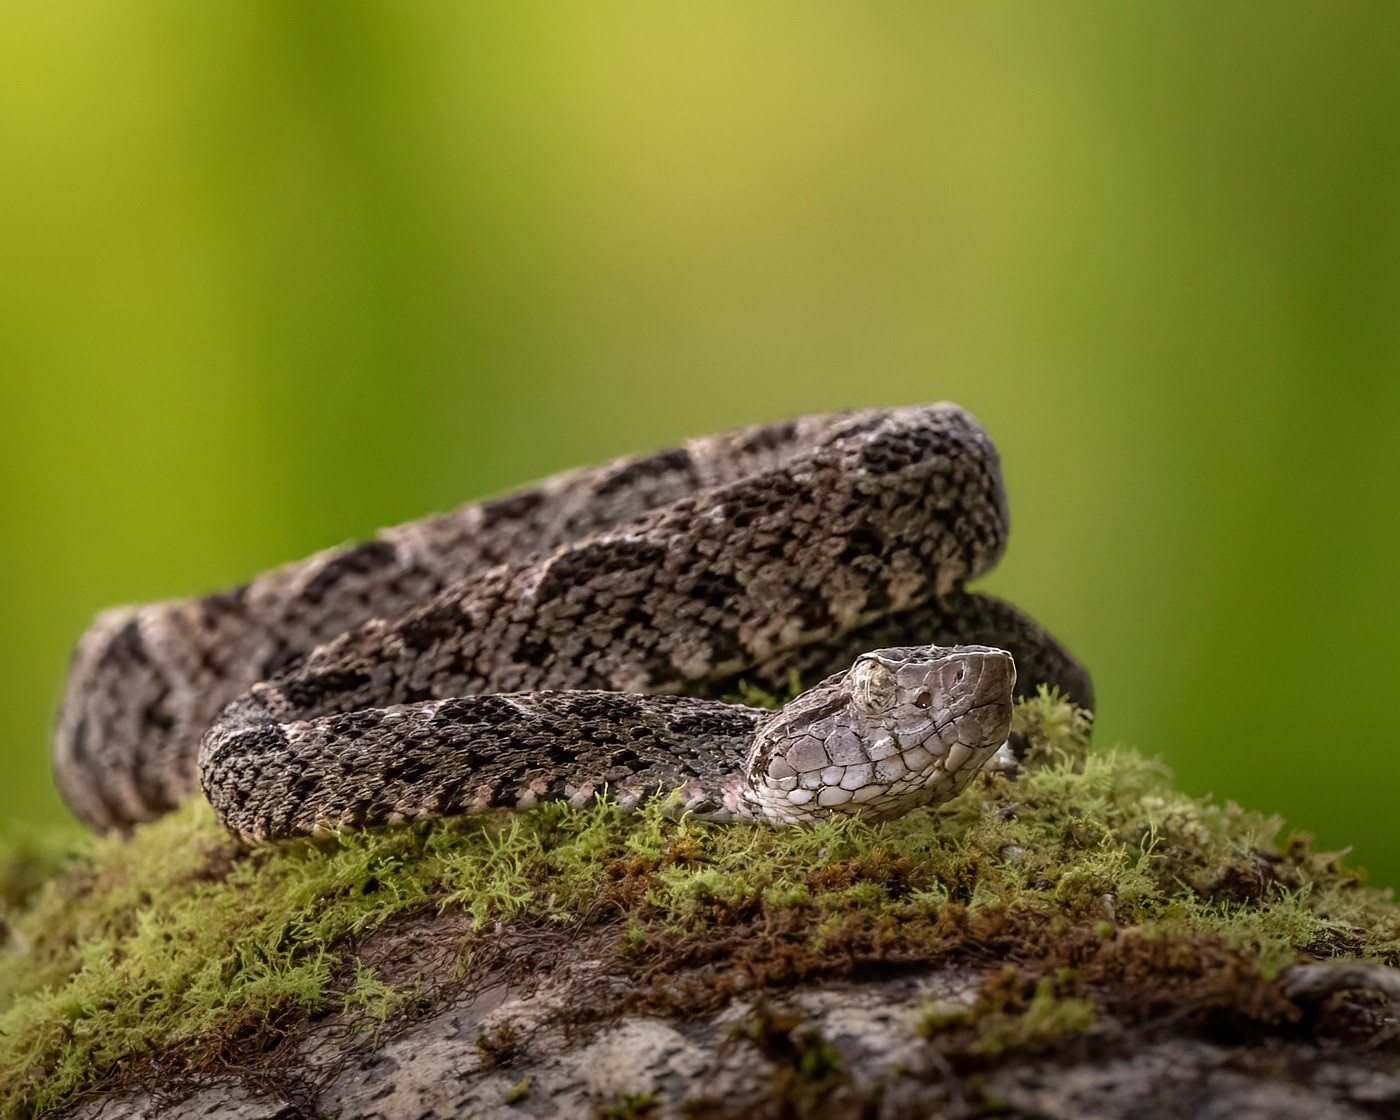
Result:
[{"x": 176, "y": 938}]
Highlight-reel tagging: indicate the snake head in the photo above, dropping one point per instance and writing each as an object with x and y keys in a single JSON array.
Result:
[{"x": 902, "y": 727}]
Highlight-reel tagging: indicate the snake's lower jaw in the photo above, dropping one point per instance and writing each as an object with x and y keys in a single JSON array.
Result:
[
  {"x": 985, "y": 726},
  {"x": 968, "y": 742}
]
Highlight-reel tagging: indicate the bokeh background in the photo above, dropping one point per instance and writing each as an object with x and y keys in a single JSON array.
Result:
[{"x": 273, "y": 275}]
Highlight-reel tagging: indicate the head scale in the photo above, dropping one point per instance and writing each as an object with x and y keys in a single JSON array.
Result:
[{"x": 902, "y": 727}]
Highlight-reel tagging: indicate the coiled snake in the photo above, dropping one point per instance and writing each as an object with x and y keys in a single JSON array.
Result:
[{"x": 569, "y": 639}]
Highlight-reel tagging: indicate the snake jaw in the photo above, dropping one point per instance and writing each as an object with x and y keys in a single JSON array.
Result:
[{"x": 903, "y": 727}]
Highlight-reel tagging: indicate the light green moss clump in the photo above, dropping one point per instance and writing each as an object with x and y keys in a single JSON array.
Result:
[
  {"x": 1006, "y": 1017},
  {"x": 175, "y": 940}
]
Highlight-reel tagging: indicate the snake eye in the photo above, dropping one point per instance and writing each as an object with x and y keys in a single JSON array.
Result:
[{"x": 923, "y": 700}]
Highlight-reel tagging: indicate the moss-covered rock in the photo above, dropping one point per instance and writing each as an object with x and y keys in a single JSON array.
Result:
[{"x": 1080, "y": 898}]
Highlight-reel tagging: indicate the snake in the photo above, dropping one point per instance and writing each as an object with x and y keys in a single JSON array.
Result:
[{"x": 584, "y": 636}]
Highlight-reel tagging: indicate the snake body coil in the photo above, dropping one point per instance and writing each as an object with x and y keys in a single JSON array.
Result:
[{"x": 564, "y": 640}]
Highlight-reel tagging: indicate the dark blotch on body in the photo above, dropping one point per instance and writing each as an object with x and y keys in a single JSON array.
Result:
[
  {"x": 513, "y": 507},
  {"x": 890, "y": 452},
  {"x": 587, "y": 563},
  {"x": 675, "y": 460},
  {"x": 306, "y": 693},
  {"x": 362, "y": 560}
]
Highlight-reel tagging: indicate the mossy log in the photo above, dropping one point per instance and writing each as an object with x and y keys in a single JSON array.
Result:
[{"x": 1078, "y": 939}]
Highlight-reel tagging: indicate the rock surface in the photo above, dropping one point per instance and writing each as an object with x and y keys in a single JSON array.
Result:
[{"x": 539, "y": 1041}]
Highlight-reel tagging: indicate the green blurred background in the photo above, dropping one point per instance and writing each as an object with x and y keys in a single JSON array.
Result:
[{"x": 273, "y": 275}]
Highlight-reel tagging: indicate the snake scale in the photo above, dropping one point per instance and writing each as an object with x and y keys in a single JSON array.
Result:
[{"x": 572, "y": 638}]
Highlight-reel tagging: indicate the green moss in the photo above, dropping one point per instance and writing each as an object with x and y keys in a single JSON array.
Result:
[
  {"x": 177, "y": 941},
  {"x": 629, "y": 1106},
  {"x": 373, "y": 999},
  {"x": 27, "y": 862},
  {"x": 805, "y": 1066},
  {"x": 1010, "y": 1013}
]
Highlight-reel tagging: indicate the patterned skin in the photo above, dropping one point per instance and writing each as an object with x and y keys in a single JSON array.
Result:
[
  {"x": 902, "y": 728},
  {"x": 421, "y": 673}
]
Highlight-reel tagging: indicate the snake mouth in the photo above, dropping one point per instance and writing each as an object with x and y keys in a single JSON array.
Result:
[
  {"x": 948, "y": 745},
  {"x": 992, "y": 723},
  {"x": 997, "y": 725}
]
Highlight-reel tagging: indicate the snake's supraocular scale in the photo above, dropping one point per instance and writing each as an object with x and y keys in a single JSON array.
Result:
[{"x": 421, "y": 673}]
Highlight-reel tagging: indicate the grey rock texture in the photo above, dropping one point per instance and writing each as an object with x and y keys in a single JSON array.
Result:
[{"x": 540, "y": 1041}]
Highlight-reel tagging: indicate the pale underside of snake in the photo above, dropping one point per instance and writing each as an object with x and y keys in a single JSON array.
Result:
[{"x": 569, "y": 640}]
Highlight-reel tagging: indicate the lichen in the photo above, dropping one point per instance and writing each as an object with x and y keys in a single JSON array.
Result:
[{"x": 1088, "y": 875}]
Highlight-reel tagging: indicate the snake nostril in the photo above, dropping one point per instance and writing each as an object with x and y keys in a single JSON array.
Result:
[{"x": 923, "y": 700}]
